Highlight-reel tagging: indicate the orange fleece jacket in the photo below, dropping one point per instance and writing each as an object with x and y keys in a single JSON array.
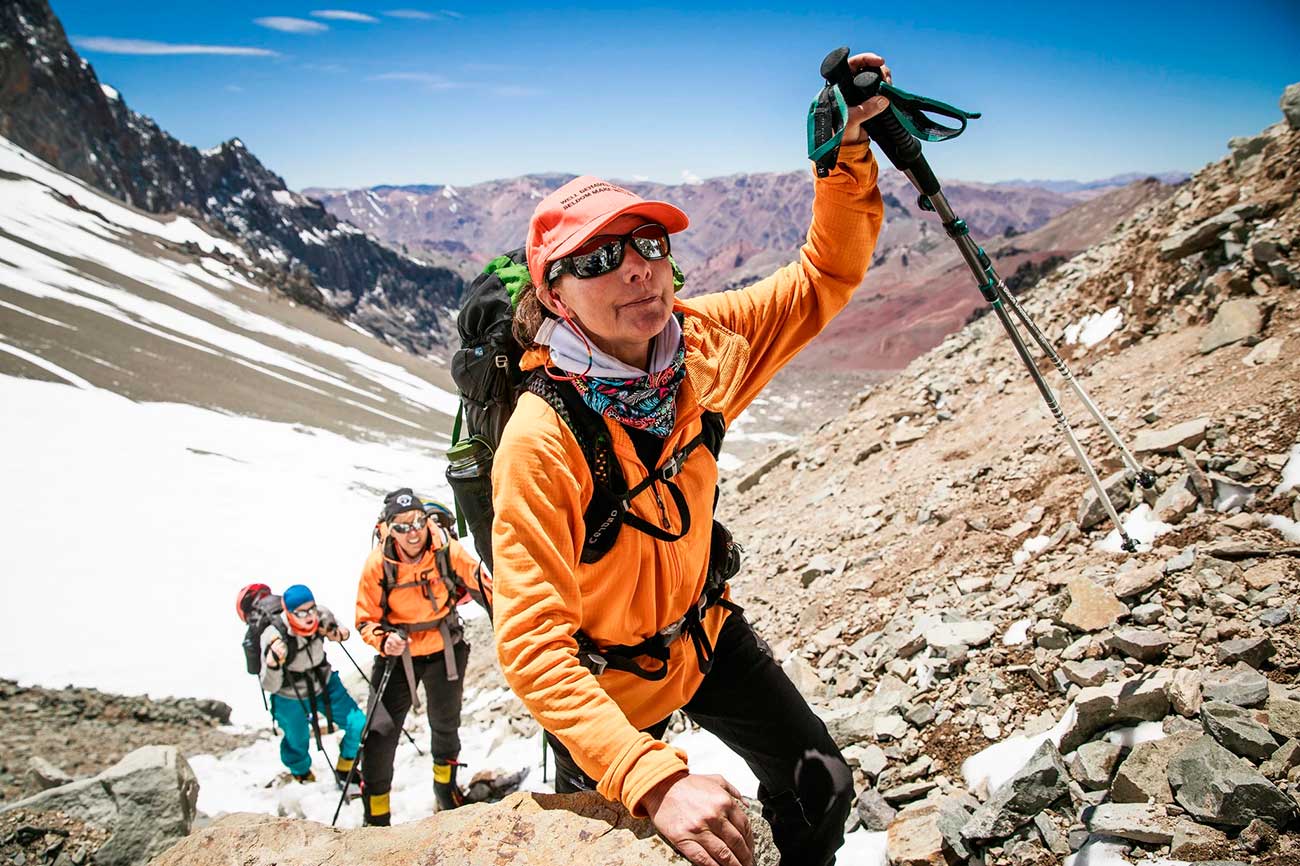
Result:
[
  {"x": 735, "y": 343},
  {"x": 409, "y": 604}
]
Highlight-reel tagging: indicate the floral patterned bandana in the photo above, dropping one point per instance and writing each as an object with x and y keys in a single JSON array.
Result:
[{"x": 645, "y": 403}]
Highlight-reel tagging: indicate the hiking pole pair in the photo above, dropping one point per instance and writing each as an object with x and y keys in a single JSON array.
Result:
[
  {"x": 896, "y": 131},
  {"x": 365, "y": 730},
  {"x": 407, "y": 733}
]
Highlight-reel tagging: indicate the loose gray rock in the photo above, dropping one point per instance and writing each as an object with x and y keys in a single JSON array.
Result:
[
  {"x": 1139, "y": 580},
  {"x": 1242, "y": 686},
  {"x": 1291, "y": 105},
  {"x": 915, "y": 838},
  {"x": 777, "y": 458},
  {"x": 1093, "y": 764},
  {"x": 1086, "y": 673},
  {"x": 1148, "y": 614},
  {"x": 1139, "y": 699},
  {"x": 952, "y": 634},
  {"x": 1237, "y": 730},
  {"x": 1092, "y": 607},
  {"x": 1204, "y": 234},
  {"x": 1284, "y": 717},
  {"x": 1144, "y": 775},
  {"x": 848, "y": 725},
  {"x": 874, "y": 812},
  {"x": 147, "y": 800},
  {"x": 1185, "y": 435},
  {"x": 1254, "y": 651},
  {"x": 908, "y": 792},
  {"x": 1138, "y": 822},
  {"x": 1092, "y": 512},
  {"x": 1178, "y": 501},
  {"x": 1275, "y": 616},
  {"x": 1142, "y": 644},
  {"x": 1039, "y": 784},
  {"x": 45, "y": 775},
  {"x": 1216, "y": 786},
  {"x": 1184, "y": 691},
  {"x": 1185, "y": 558},
  {"x": 1286, "y": 757},
  {"x": 1237, "y": 319}
]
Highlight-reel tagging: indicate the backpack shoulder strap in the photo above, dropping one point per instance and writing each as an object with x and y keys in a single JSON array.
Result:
[{"x": 714, "y": 429}]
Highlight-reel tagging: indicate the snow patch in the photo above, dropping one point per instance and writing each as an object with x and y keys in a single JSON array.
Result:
[
  {"x": 1030, "y": 547},
  {"x": 1092, "y": 329},
  {"x": 284, "y": 197},
  {"x": 1290, "y": 473},
  {"x": 1143, "y": 732},
  {"x": 1141, "y": 525},
  {"x": 1288, "y": 528},
  {"x": 1017, "y": 633},
  {"x": 111, "y": 92}
]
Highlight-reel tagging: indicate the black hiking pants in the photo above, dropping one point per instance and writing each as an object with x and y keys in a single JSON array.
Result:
[
  {"x": 442, "y": 698},
  {"x": 748, "y": 702}
]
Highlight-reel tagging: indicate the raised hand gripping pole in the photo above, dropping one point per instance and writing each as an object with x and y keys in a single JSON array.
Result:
[{"x": 904, "y": 151}]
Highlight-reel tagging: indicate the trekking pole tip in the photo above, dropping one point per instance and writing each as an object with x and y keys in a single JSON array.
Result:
[
  {"x": 1129, "y": 545},
  {"x": 1147, "y": 479}
]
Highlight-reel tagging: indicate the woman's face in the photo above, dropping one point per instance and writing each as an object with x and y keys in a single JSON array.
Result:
[{"x": 622, "y": 311}]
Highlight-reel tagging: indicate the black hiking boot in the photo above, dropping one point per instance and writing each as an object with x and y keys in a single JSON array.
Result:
[{"x": 446, "y": 793}]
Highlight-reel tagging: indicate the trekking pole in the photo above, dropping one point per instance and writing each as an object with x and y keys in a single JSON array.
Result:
[
  {"x": 315, "y": 721},
  {"x": 900, "y": 144},
  {"x": 407, "y": 733},
  {"x": 365, "y": 730}
]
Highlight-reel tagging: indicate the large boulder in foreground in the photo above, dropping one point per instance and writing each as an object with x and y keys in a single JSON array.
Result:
[
  {"x": 524, "y": 829},
  {"x": 145, "y": 801}
]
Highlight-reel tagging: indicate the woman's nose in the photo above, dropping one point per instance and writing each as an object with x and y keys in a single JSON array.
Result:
[{"x": 635, "y": 265}]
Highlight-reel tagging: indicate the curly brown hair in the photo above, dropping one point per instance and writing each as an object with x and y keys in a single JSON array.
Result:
[{"x": 529, "y": 315}]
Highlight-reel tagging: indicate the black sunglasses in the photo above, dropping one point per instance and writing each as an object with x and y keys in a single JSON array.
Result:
[
  {"x": 604, "y": 253},
  {"x": 403, "y": 528}
]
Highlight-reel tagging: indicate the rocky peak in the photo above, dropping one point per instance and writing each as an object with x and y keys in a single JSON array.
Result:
[{"x": 53, "y": 105}]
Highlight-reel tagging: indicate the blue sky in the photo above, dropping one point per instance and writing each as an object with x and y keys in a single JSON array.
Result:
[{"x": 353, "y": 94}]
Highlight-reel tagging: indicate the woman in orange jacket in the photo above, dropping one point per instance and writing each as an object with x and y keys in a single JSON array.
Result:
[
  {"x": 601, "y": 641},
  {"x": 410, "y": 587}
]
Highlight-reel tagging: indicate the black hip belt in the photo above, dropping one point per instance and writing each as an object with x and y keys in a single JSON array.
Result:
[{"x": 724, "y": 562}]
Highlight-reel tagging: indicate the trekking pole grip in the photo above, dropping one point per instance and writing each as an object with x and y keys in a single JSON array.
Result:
[{"x": 902, "y": 148}]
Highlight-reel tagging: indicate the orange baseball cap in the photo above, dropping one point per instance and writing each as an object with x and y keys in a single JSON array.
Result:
[{"x": 577, "y": 211}]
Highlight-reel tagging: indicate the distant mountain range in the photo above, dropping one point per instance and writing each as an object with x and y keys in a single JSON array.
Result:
[
  {"x": 1097, "y": 186},
  {"x": 53, "y": 105},
  {"x": 745, "y": 226}
]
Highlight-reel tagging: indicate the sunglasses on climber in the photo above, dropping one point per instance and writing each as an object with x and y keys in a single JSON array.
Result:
[
  {"x": 415, "y": 524},
  {"x": 604, "y": 253}
]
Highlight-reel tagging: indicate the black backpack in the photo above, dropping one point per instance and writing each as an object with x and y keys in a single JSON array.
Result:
[
  {"x": 486, "y": 371},
  {"x": 264, "y": 613}
]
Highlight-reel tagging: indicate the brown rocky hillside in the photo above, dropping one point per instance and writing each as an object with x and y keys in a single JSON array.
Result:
[{"x": 892, "y": 551}]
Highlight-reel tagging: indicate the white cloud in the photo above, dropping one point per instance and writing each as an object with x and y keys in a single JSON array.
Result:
[
  {"x": 433, "y": 82},
  {"x": 291, "y": 25},
  {"x": 689, "y": 176},
  {"x": 344, "y": 15},
  {"x": 113, "y": 45},
  {"x": 234, "y": 88},
  {"x": 411, "y": 14},
  {"x": 450, "y": 14}
]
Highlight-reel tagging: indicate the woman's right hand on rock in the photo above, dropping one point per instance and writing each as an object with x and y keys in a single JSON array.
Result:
[{"x": 702, "y": 817}]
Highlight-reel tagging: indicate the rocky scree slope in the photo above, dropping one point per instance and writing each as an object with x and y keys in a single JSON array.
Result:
[
  {"x": 932, "y": 571},
  {"x": 53, "y": 105}
]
